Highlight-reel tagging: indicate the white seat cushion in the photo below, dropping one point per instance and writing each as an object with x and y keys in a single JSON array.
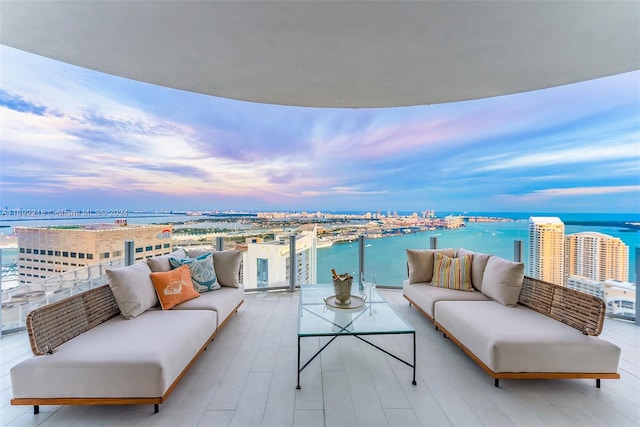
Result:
[
  {"x": 140, "y": 357},
  {"x": 223, "y": 301},
  {"x": 425, "y": 296},
  {"x": 517, "y": 339}
]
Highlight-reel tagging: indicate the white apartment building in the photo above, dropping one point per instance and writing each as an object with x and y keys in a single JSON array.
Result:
[
  {"x": 586, "y": 285},
  {"x": 266, "y": 264},
  {"x": 546, "y": 249},
  {"x": 597, "y": 256},
  {"x": 48, "y": 251}
]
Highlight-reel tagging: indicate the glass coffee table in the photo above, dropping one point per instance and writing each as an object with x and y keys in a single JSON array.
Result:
[{"x": 375, "y": 317}]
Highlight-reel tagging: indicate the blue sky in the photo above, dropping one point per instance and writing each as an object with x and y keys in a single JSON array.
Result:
[{"x": 78, "y": 139}]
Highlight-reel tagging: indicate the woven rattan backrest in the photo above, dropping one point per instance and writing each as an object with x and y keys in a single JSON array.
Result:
[
  {"x": 54, "y": 324},
  {"x": 577, "y": 309}
]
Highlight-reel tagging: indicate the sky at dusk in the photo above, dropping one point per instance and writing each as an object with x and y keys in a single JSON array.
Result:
[{"x": 73, "y": 138}]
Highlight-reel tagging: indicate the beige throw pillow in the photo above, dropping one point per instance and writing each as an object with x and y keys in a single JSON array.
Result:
[
  {"x": 420, "y": 263},
  {"x": 133, "y": 289},
  {"x": 159, "y": 264},
  {"x": 478, "y": 265},
  {"x": 502, "y": 280},
  {"x": 226, "y": 264}
]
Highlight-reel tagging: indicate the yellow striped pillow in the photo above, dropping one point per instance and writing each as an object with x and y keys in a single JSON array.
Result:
[{"x": 452, "y": 273}]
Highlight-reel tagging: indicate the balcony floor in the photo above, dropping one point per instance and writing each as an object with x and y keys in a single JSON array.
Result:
[{"x": 247, "y": 377}]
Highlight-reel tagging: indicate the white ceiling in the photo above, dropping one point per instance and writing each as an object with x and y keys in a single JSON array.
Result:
[{"x": 335, "y": 54}]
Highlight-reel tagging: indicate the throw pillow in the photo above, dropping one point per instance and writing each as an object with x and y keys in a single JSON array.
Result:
[
  {"x": 201, "y": 269},
  {"x": 478, "y": 264},
  {"x": 420, "y": 263},
  {"x": 502, "y": 280},
  {"x": 173, "y": 287},
  {"x": 226, "y": 264},
  {"x": 132, "y": 289},
  {"x": 452, "y": 273},
  {"x": 161, "y": 263}
]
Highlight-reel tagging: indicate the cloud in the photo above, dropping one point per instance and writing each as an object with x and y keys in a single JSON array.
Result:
[
  {"x": 18, "y": 103},
  {"x": 587, "y": 191}
]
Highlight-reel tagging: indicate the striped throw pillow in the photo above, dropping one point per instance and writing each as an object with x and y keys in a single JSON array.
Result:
[{"x": 452, "y": 273}]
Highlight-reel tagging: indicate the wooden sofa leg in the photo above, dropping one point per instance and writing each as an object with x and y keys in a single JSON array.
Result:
[
  {"x": 36, "y": 409},
  {"x": 156, "y": 408},
  {"x": 496, "y": 382},
  {"x": 597, "y": 382}
]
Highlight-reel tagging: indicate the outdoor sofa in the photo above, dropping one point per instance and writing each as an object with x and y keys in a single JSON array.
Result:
[
  {"x": 511, "y": 325},
  {"x": 131, "y": 341}
]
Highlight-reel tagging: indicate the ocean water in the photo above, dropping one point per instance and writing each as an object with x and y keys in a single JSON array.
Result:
[{"x": 386, "y": 257}]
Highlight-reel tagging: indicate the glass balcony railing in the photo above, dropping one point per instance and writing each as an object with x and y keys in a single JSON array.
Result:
[{"x": 266, "y": 265}]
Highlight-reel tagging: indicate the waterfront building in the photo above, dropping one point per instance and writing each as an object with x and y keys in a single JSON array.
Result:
[
  {"x": 546, "y": 249},
  {"x": 597, "y": 256},
  {"x": 49, "y": 251},
  {"x": 586, "y": 285},
  {"x": 266, "y": 263}
]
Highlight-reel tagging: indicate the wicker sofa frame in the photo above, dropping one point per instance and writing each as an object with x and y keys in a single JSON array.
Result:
[
  {"x": 579, "y": 310},
  {"x": 52, "y": 325}
]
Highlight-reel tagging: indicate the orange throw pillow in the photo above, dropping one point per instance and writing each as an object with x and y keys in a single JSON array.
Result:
[{"x": 174, "y": 287}]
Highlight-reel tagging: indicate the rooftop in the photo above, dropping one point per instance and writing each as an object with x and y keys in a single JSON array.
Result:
[{"x": 247, "y": 377}]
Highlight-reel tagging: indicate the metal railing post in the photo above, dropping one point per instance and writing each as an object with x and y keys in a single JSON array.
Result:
[
  {"x": 129, "y": 255},
  {"x": 293, "y": 265},
  {"x": 517, "y": 250},
  {"x": 361, "y": 239},
  {"x": 433, "y": 242},
  {"x": 637, "y": 281},
  {"x": 219, "y": 243}
]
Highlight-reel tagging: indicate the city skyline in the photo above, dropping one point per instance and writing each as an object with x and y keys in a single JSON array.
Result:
[{"x": 75, "y": 138}]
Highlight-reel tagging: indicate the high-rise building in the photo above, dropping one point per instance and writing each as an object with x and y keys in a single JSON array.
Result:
[
  {"x": 266, "y": 264},
  {"x": 597, "y": 256},
  {"x": 49, "y": 251},
  {"x": 546, "y": 249}
]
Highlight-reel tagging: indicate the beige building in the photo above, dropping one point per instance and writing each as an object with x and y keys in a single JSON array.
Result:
[
  {"x": 49, "y": 251},
  {"x": 597, "y": 256},
  {"x": 546, "y": 249}
]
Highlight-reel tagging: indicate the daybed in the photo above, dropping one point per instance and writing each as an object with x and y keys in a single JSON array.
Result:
[
  {"x": 511, "y": 325},
  {"x": 129, "y": 342}
]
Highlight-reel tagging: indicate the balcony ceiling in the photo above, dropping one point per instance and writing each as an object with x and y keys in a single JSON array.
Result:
[{"x": 335, "y": 54}]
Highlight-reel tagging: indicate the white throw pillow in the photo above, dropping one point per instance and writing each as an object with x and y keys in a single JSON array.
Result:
[
  {"x": 502, "y": 280},
  {"x": 478, "y": 265},
  {"x": 420, "y": 263},
  {"x": 133, "y": 289}
]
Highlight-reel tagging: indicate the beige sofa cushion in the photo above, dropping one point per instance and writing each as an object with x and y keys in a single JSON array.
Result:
[
  {"x": 120, "y": 358},
  {"x": 478, "y": 265},
  {"x": 159, "y": 264},
  {"x": 226, "y": 264},
  {"x": 132, "y": 288},
  {"x": 420, "y": 263},
  {"x": 517, "y": 339},
  {"x": 224, "y": 301},
  {"x": 426, "y": 296},
  {"x": 502, "y": 280}
]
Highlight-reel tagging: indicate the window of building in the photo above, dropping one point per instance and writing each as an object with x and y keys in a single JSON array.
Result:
[
  {"x": 21, "y": 250},
  {"x": 65, "y": 253},
  {"x": 117, "y": 254},
  {"x": 89, "y": 256},
  {"x": 81, "y": 255},
  {"x": 158, "y": 247},
  {"x": 149, "y": 248},
  {"x": 49, "y": 253},
  {"x": 57, "y": 253},
  {"x": 104, "y": 255},
  {"x": 263, "y": 272},
  {"x": 138, "y": 250},
  {"x": 43, "y": 252},
  {"x": 167, "y": 245},
  {"x": 28, "y": 250},
  {"x": 73, "y": 255}
]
